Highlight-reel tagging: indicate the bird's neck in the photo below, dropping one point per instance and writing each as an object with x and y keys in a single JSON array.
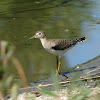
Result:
[{"x": 43, "y": 41}]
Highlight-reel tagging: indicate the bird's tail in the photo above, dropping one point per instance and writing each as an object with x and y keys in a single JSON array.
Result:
[{"x": 81, "y": 39}]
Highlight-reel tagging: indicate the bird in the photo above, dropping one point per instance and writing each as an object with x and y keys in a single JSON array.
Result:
[{"x": 56, "y": 46}]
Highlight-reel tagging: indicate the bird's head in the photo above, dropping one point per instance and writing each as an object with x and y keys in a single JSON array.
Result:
[{"x": 38, "y": 34}]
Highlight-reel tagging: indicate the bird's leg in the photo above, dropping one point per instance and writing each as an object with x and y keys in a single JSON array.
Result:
[
  {"x": 58, "y": 66},
  {"x": 57, "y": 61}
]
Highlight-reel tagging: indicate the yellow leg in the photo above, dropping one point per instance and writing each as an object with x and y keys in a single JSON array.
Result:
[{"x": 58, "y": 68}]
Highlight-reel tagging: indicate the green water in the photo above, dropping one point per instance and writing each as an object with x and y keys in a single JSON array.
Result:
[{"x": 19, "y": 20}]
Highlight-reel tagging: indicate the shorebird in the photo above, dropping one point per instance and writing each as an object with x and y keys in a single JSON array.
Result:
[{"x": 56, "y": 46}]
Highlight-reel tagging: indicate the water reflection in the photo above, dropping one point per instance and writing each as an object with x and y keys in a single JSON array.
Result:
[{"x": 20, "y": 20}]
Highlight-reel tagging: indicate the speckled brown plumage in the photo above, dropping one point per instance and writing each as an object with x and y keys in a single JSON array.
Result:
[{"x": 63, "y": 44}]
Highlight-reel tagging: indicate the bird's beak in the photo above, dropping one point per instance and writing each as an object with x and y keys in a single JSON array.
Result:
[{"x": 31, "y": 38}]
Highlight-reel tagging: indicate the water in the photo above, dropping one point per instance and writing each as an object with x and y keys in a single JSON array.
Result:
[
  {"x": 59, "y": 19},
  {"x": 89, "y": 49}
]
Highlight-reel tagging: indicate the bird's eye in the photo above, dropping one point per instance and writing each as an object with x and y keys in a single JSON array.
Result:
[{"x": 40, "y": 33}]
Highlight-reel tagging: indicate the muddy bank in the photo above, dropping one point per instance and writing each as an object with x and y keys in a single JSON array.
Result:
[{"x": 90, "y": 68}]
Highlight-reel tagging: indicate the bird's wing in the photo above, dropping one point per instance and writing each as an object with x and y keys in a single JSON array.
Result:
[{"x": 63, "y": 44}]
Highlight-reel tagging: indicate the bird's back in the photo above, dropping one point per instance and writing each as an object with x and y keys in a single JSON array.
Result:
[{"x": 62, "y": 44}]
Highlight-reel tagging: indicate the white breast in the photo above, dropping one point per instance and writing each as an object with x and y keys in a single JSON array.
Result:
[{"x": 48, "y": 44}]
